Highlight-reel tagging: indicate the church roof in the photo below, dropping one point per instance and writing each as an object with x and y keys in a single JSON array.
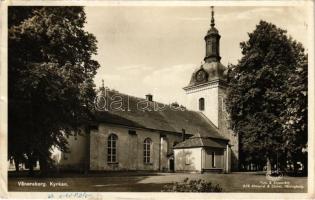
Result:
[
  {"x": 168, "y": 119},
  {"x": 200, "y": 141}
]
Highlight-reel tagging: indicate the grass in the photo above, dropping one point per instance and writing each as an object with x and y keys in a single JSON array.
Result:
[{"x": 153, "y": 182}]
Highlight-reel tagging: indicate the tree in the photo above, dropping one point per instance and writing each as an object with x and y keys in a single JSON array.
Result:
[
  {"x": 294, "y": 117},
  {"x": 51, "y": 73},
  {"x": 267, "y": 88}
]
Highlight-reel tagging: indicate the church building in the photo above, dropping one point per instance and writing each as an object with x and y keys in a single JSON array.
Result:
[{"x": 131, "y": 133}]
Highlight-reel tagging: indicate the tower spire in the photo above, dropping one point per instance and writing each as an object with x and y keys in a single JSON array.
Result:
[
  {"x": 212, "y": 17},
  {"x": 212, "y": 42}
]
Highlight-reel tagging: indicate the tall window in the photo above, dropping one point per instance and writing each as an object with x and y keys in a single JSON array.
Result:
[
  {"x": 187, "y": 159},
  {"x": 213, "y": 159},
  {"x": 147, "y": 145},
  {"x": 201, "y": 104},
  {"x": 112, "y": 148}
]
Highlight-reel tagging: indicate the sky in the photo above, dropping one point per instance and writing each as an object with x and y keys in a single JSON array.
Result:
[{"x": 154, "y": 49}]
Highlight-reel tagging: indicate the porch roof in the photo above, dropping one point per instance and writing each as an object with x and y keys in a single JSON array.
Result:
[{"x": 198, "y": 141}]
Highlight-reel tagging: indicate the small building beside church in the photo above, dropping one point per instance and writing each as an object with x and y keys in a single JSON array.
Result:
[
  {"x": 132, "y": 133},
  {"x": 202, "y": 154}
]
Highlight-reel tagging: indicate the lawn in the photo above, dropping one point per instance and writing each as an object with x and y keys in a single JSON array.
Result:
[{"x": 153, "y": 182}]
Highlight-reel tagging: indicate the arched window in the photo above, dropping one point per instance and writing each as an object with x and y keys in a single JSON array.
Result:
[
  {"x": 112, "y": 148},
  {"x": 147, "y": 146},
  {"x": 201, "y": 104}
]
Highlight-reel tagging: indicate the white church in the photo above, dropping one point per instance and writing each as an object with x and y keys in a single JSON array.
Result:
[{"x": 130, "y": 133}]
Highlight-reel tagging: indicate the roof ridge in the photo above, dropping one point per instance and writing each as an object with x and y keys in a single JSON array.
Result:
[{"x": 141, "y": 98}]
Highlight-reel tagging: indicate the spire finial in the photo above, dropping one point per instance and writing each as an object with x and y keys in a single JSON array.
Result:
[
  {"x": 212, "y": 17},
  {"x": 103, "y": 83}
]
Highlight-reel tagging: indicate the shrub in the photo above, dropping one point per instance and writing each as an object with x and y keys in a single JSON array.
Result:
[{"x": 191, "y": 186}]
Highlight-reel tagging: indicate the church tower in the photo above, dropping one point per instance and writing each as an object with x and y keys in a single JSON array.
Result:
[{"x": 206, "y": 91}]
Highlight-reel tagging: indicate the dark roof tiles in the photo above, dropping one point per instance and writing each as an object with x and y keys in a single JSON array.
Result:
[{"x": 168, "y": 119}]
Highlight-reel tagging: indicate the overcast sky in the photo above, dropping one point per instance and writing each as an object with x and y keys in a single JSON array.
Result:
[{"x": 155, "y": 49}]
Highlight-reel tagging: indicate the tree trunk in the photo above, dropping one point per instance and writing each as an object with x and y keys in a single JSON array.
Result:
[
  {"x": 30, "y": 165},
  {"x": 43, "y": 166},
  {"x": 17, "y": 163},
  {"x": 268, "y": 164},
  {"x": 295, "y": 167},
  {"x": 31, "y": 172},
  {"x": 305, "y": 162}
]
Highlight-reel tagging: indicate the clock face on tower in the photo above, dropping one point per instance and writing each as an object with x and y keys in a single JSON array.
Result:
[{"x": 201, "y": 76}]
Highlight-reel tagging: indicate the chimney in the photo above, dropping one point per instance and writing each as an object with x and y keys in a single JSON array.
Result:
[
  {"x": 149, "y": 97},
  {"x": 183, "y": 134}
]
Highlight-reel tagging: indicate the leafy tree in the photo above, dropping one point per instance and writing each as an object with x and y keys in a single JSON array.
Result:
[
  {"x": 294, "y": 117},
  {"x": 51, "y": 73},
  {"x": 268, "y": 89}
]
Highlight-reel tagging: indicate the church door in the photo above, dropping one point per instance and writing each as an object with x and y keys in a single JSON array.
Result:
[{"x": 172, "y": 164}]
